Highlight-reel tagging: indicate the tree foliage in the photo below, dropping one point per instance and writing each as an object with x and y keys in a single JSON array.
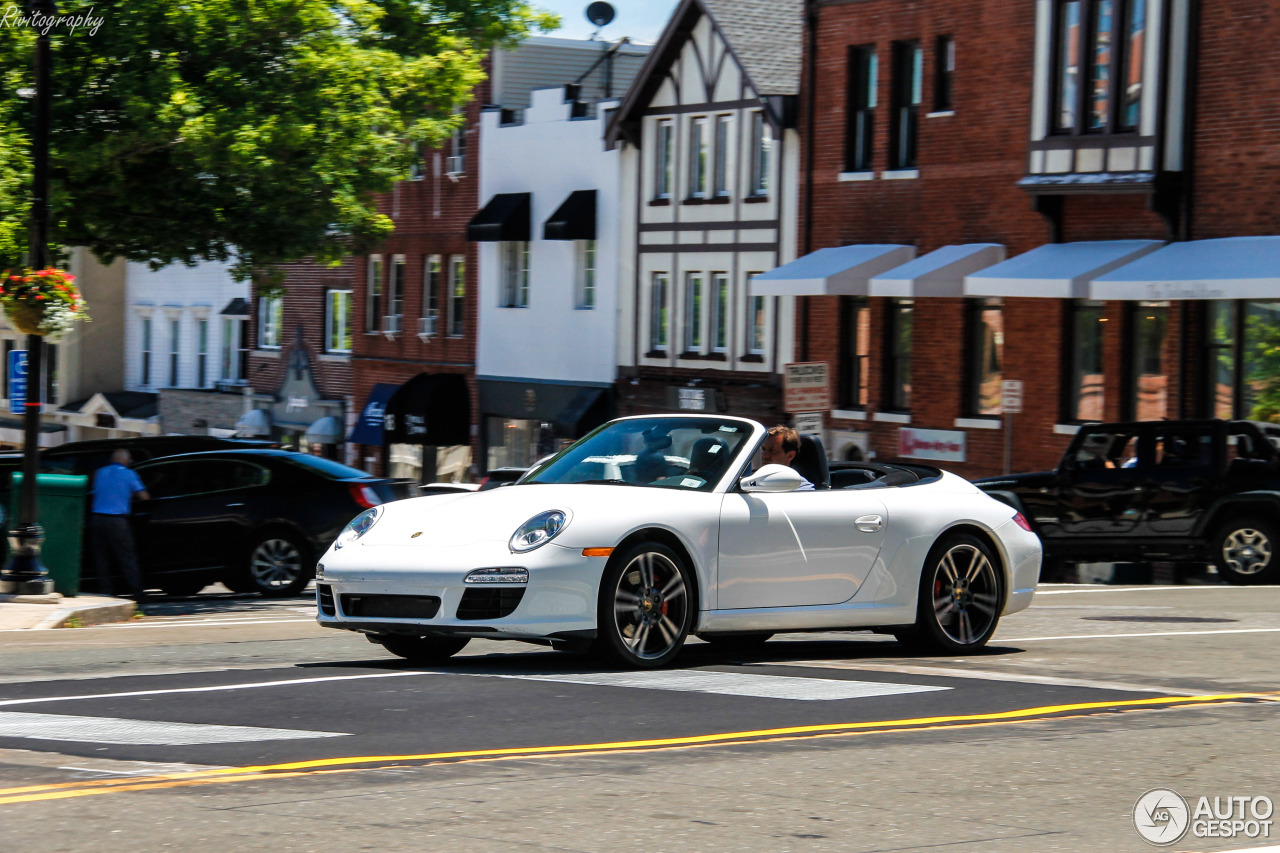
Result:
[{"x": 259, "y": 130}]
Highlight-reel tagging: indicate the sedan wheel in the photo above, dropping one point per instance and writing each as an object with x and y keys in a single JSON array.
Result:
[
  {"x": 1245, "y": 552},
  {"x": 960, "y": 597},
  {"x": 276, "y": 566},
  {"x": 644, "y": 609}
]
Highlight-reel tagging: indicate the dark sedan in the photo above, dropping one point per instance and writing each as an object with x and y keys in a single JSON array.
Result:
[{"x": 254, "y": 519}]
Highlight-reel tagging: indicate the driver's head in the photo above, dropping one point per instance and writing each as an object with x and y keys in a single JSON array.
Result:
[{"x": 780, "y": 446}]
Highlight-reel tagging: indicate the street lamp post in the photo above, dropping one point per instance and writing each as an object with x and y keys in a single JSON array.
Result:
[{"x": 25, "y": 574}]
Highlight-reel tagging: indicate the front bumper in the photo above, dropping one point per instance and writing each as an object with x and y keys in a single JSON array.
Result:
[{"x": 360, "y": 585}]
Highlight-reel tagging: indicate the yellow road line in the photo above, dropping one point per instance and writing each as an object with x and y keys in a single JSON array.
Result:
[{"x": 348, "y": 764}]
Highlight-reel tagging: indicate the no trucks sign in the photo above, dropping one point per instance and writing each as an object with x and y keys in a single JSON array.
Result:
[{"x": 805, "y": 387}]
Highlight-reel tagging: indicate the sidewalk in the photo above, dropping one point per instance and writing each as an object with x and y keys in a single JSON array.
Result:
[{"x": 20, "y": 612}]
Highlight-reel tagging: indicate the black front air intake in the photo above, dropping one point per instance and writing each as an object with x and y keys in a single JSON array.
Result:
[{"x": 491, "y": 603}]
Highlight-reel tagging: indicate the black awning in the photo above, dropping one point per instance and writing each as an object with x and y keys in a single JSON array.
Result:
[
  {"x": 586, "y": 411},
  {"x": 575, "y": 219},
  {"x": 505, "y": 217},
  {"x": 431, "y": 408},
  {"x": 238, "y": 307}
]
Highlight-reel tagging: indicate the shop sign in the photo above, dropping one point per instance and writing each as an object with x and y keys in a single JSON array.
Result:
[
  {"x": 941, "y": 444},
  {"x": 805, "y": 387},
  {"x": 808, "y": 423},
  {"x": 692, "y": 399}
]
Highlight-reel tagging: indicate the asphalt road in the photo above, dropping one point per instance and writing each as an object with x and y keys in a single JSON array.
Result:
[{"x": 228, "y": 722}]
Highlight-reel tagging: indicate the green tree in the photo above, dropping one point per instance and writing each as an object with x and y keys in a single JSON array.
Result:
[
  {"x": 1262, "y": 357},
  {"x": 255, "y": 129}
]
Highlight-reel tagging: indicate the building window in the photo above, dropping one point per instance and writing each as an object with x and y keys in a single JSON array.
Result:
[
  {"x": 202, "y": 353},
  {"x": 861, "y": 109},
  {"x": 1221, "y": 334},
  {"x": 720, "y": 186},
  {"x": 337, "y": 321},
  {"x": 658, "y": 312},
  {"x": 515, "y": 273},
  {"x": 1084, "y": 385},
  {"x": 662, "y": 164},
  {"x": 395, "y": 295},
  {"x": 457, "y": 294},
  {"x": 986, "y": 356},
  {"x": 761, "y": 149},
  {"x": 373, "y": 295},
  {"x": 431, "y": 270},
  {"x": 146, "y": 352},
  {"x": 907, "y": 91},
  {"x": 855, "y": 352},
  {"x": 1146, "y": 395},
  {"x": 235, "y": 349},
  {"x": 755, "y": 325},
  {"x": 1098, "y": 66},
  {"x": 586, "y": 273},
  {"x": 1244, "y": 339},
  {"x": 693, "y": 313},
  {"x": 719, "y": 312},
  {"x": 456, "y": 163},
  {"x": 898, "y": 355},
  {"x": 698, "y": 154},
  {"x": 174, "y": 342},
  {"x": 270, "y": 315},
  {"x": 944, "y": 67}
]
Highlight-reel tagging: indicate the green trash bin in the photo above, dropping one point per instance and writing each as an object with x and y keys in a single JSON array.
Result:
[{"x": 61, "y": 504}]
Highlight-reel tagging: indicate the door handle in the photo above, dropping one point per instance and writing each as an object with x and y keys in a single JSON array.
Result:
[
  {"x": 869, "y": 523},
  {"x": 238, "y": 503}
]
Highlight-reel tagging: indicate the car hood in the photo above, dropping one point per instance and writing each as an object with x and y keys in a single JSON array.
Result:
[
  {"x": 494, "y": 515},
  {"x": 1017, "y": 482}
]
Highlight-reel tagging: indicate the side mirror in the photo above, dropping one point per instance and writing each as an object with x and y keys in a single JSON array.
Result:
[{"x": 772, "y": 478}]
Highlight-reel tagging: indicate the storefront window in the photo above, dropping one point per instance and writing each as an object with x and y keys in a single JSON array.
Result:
[
  {"x": 1261, "y": 359},
  {"x": 986, "y": 356},
  {"x": 898, "y": 355},
  {"x": 515, "y": 443},
  {"x": 855, "y": 352},
  {"x": 1221, "y": 361},
  {"x": 1084, "y": 384},
  {"x": 1147, "y": 395}
]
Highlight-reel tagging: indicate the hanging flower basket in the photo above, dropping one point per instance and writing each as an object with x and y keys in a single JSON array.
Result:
[{"x": 42, "y": 302}]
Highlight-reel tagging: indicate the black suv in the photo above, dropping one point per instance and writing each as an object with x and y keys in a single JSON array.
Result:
[
  {"x": 1182, "y": 491},
  {"x": 85, "y": 457}
]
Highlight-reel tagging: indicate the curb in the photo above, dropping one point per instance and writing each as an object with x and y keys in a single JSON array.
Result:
[{"x": 89, "y": 614}]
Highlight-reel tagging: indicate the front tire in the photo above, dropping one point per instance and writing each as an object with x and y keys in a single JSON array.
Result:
[
  {"x": 423, "y": 651},
  {"x": 961, "y": 595},
  {"x": 644, "y": 609},
  {"x": 277, "y": 565},
  {"x": 1245, "y": 551}
]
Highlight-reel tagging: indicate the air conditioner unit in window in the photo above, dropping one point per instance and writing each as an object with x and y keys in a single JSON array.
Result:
[
  {"x": 391, "y": 325},
  {"x": 427, "y": 327},
  {"x": 455, "y": 164}
]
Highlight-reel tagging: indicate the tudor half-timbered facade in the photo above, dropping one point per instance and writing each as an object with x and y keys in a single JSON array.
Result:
[{"x": 709, "y": 168}]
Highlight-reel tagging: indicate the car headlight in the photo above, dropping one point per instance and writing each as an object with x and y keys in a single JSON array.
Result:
[
  {"x": 539, "y": 530},
  {"x": 358, "y": 527}
]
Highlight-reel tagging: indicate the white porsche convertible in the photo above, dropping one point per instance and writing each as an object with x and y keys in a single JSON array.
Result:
[{"x": 653, "y": 528}]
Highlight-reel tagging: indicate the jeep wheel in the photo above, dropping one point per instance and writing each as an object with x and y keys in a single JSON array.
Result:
[{"x": 1246, "y": 551}]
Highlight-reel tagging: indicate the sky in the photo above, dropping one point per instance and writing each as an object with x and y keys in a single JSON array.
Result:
[{"x": 641, "y": 20}]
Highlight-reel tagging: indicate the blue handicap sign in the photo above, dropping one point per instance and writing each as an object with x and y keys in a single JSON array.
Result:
[{"x": 17, "y": 381}]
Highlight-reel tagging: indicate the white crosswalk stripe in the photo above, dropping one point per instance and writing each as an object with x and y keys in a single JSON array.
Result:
[
  {"x": 737, "y": 684},
  {"x": 19, "y": 724}
]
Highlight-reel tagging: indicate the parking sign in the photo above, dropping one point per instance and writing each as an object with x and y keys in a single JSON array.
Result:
[{"x": 17, "y": 380}]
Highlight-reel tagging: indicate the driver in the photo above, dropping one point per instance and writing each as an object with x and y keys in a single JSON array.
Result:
[{"x": 780, "y": 447}]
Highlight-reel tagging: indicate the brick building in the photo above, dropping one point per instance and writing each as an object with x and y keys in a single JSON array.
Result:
[{"x": 1098, "y": 147}]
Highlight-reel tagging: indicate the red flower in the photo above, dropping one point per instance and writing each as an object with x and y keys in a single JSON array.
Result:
[{"x": 39, "y": 296}]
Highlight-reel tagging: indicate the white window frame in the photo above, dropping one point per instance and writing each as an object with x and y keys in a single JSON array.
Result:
[
  {"x": 144, "y": 378},
  {"x": 720, "y": 305},
  {"x": 513, "y": 258},
  {"x": 699, "y": 156},
  {"x": 694, "y": 312},
  {"x": 202, "y": 353},
  {"x": 587, "y": 273},
  {"x": 373, "y": 295},
  {"x": 722, "y": 160},
  {"x": 664, "y": 158},
  {"x": 432, "y": 272},
  {"x": 270, "y": 321},
  {"x": 761, "y": 143},
  {"x": 235, "y": 355},
  {"x": 175, "y": 353},
  {"x": 457, "y": 295},
  {"x": 395, "y": 286},
  {"x": 337, "y": 323},
  {"x": 659, "y": 325},
  {"x": 756, "y": 326}
]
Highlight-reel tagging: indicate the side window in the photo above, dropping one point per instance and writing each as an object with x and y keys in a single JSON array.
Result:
[
  {"x": 246, "y": 476},
  {"x": 1183, "y": 449},
  {"x": 1105, "y": 450},
  {"x": 164, "y": 480},
  {"x": 208, "y": 476}
]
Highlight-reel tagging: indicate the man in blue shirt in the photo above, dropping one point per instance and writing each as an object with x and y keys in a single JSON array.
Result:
[{"x": 113, "y": 489}]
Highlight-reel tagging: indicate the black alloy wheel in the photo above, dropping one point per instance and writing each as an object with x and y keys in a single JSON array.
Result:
[
  {"x": 644, "y": 610},
  {"x": 277, "y": 564},
  {"x": 1244, "y": 551},
  {"x": 961, "y": 595}
]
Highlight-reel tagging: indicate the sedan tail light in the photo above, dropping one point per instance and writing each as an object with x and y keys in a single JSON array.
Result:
[
  {"x": 366, "y": 497},
  {"x": 1021, "y": 520}
]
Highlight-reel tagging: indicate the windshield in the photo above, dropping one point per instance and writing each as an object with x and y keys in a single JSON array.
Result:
[{"x": 675, "y": 453}]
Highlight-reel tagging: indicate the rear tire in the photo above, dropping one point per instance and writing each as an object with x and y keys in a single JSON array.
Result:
[
  {"x": 278, "y": 564},
  {"x": 423, "y": 651},
  {"x": 1247, "y": 551},
  {"x": 961, "y": 596}
]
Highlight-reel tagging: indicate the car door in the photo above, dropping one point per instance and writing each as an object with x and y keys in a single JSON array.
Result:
[
  {"x": 793, "y": 549},
  {"x": 1183, "y": 478},
  {"x": 200, "y": 522},
  {"x": 1100, "y": 497}
]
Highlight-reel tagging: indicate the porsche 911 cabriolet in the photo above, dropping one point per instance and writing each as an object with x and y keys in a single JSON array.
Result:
[{"x": 653, "y": 528}]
